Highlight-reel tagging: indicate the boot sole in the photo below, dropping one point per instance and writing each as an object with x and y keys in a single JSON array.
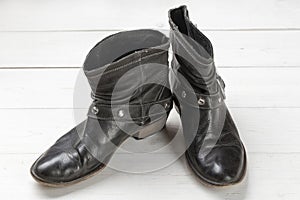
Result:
[
  {"x": 64, "y": 184},
  {"x": 144, "y": 132}
]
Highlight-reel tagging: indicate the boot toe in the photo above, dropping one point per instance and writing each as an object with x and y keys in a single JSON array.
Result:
[
  {"x": 222, "y": 166},
  {"x": 54, "y": 169}
]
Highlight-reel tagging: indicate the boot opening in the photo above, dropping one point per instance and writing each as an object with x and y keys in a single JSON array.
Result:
[
  {"x": 198, "y": 40},
  {"x": 120, "y": 45}
]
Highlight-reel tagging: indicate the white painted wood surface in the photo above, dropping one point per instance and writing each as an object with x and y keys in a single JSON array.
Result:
[
  {"x": 34, "y": 15},
  {"x": 68, "y": 49},
  {"x": 43, "y": 45}
]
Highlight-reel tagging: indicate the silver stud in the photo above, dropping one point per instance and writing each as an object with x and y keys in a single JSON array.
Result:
[
  {"x": 167, "y": 105},
  {"x": 95, "y": 110},
  {"x": 121, "y": 113},
  {"x": 201, "y": 101},
  {"x": 183, "y": 94}
]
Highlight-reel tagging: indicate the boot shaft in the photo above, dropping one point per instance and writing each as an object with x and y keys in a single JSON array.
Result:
[
  {"x": 127, "y": 66},
  {"x": 128, "y": 71},
  {"x": 192, "y": 53}
]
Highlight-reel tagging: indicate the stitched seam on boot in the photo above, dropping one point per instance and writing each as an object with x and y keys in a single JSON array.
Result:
[{"x": 123, "y": 66}]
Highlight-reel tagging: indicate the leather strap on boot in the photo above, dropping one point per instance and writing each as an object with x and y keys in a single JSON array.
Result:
[
  {"x": 129, "y": 112},
  {"x": 198, "y": 100}
]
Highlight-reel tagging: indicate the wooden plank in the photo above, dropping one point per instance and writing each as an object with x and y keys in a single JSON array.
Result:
[
  {"x": 264, "y": 180},
  {"x": 56, "y": 88},
  {"x": 68, "y": 49},
  {"x": 33, "y": 88},
  {"x": 261, "y": 87},
  {"x": 31, "y": 15},
  {"x": 262, "y": 129},
  {"x": 44, "y": 49}
]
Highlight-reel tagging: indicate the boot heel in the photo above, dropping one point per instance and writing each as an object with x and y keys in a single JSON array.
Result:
[{"x": 150, "y": 129}]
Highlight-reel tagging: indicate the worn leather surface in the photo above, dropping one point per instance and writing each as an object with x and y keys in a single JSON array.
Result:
[
  {"x": 127, "y": 72},
  {"x": 215, "y": 151}
]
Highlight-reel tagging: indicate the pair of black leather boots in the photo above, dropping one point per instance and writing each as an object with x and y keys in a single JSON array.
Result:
[{"x": 130, "y": 80}]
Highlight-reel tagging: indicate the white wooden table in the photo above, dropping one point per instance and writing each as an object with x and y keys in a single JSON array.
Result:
[{"x": 257, "y": 49}]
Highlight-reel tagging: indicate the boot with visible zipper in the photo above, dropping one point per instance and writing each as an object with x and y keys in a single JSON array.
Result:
[
  {"x": 215, "y": 151},
  {"x": 128, "y": 75}
]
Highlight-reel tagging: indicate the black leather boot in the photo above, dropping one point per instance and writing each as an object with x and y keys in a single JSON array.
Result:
[
  {"x": 128, "y": 75},
  {"x": 215, "y": 151}
]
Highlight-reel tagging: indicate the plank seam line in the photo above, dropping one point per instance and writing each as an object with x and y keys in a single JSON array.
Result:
[
  {"x": 222, "y": 67},
  {"x": 159, "y": 29}
]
